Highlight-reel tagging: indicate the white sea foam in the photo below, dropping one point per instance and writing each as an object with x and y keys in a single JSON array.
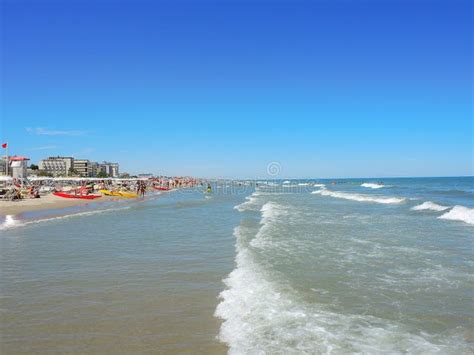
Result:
[
  {"x": 286, "y": 182},
  {"x": 319, "y": 185},
  {"x": 359, "y": 197},
  {"x": 262, "y": 317},
  {"x": 371, "y": 185},
  {"x": 460, "y": 213},
  {"x": 428, "y": 205},
  {"x": 250, "y": 203},
  {"x": 10, "y": 222},
  {"x": 272, "y": 184},
  {"x": 271, "y": 214},
  {"x": 303, "y": 184}
]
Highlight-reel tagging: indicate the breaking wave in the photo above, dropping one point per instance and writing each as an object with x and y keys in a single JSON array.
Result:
[
  {"x": 460, "y": 213},
  {"x": 372, "y": 185},
  {"x": 10, "y": 222},
  {"x": 262, "y": 315},
  {"x": 359, "y": 197},
  {"x": 429, "y": 206},
  {"x": 249, "y": 204},
  {"x": 271, "y": 213}
]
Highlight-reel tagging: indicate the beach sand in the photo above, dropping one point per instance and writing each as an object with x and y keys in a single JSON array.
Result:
[{"x": 45, "y": 203}]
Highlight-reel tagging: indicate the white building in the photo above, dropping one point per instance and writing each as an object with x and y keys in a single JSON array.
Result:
[
  {"x": 93, "y": 168},
  {"x": 3, "y": 165},
  {"x": 82, "y": 166},
  {"x": 18, "y": 167},
  {"x": 111, "y": 169},
  {"x": 57, "y": 166}
]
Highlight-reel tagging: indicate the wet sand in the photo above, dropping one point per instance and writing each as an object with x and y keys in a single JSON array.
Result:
[{"x": 48, "y": 202}]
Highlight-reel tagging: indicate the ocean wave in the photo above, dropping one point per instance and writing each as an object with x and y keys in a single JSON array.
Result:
[
  {"x": 428, "y": 205},
  {"x": 371, "y": 185},
  {"x": 261, "y": 315},
  {"x": 271, "y": 214},
  {"x": 319, "y": 185},
  {"x": 10, "y": 222},
  {"x": 459, "y": 213},
  {"x": 250, "y": 203},
  {"x": 359, "y": 197}
]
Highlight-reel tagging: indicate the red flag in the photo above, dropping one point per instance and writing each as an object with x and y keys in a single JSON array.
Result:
[{"x": 4, "y": 145}]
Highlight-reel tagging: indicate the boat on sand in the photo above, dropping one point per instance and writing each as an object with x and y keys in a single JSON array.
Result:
[
  {"x": 78, "y": 196},
  {"x": 119, "y": 193}
]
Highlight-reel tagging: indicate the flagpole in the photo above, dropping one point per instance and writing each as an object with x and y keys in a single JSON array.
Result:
[{"x": 6, "y": 166}]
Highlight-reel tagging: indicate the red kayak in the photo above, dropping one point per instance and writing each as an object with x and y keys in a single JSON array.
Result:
[
  {"x": 83, "y": 197},
  {"x": 161, "y": 188}
]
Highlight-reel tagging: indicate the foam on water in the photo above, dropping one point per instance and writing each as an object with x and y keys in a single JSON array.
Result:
[
  {"x": 460, "y": 213},
  {"x": 371, "y": 185},
  {"x": 319, "y": 185},
  {"x": 263, "y": 315},
  {"x": 272, "y": 184},
  {"x": 359, "y": 197},
  {"x": 428, "y": 205},
  {"x": 271, "y": 214},
  {"x": 10, "y": 222},
  {"x": 249, "y": 204}
]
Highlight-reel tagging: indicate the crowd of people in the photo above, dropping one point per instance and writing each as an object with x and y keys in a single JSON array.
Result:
[{"x": 13, "y": 189}]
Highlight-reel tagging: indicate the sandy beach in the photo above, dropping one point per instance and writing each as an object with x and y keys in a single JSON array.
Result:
[{"x": 47, "y": 202}]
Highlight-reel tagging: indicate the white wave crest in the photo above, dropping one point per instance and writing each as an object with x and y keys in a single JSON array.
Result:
[
  {"x": 428, "y": 205},
  {"x": 319, "y": 185},
  {"x": 261, "y": 317},
  {"x": 271, "y": 214},
  {"x": 371, "y": 185},
  {"x": 250, "y": 203},
  {"x": 10, "y": 222},
  {"x": 359, "y": 197},
  {"x": 460, "y": 213}
]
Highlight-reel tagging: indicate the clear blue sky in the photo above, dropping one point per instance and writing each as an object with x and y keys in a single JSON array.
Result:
[{"x": 222, "y": 88}]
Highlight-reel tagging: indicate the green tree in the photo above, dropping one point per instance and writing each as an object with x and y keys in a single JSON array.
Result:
[
  {"x": 102, "y": 175},
  {"x": 44, "y": 173},
  {"x": 73, "y": 171},
  {"x": 34, "y": 167}
]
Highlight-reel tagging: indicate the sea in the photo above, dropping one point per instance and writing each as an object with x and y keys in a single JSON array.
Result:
[{"x": 317, "y": 266}]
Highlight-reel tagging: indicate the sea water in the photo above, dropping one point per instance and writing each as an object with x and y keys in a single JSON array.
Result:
[{"x": 286, "y": 267}]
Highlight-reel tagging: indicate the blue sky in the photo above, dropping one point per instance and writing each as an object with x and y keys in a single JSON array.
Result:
[{"x": 223, "y": 88}]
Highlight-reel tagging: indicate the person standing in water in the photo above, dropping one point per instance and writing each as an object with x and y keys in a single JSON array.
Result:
[{"x": 142, "y": 189}]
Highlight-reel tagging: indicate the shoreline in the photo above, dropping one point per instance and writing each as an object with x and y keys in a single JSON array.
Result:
[{"x": 48, "y": 202}]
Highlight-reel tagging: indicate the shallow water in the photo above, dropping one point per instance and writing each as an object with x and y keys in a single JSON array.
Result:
[
  {"x": 131, "y": 278},
  {"x": 302, "y": 267}
]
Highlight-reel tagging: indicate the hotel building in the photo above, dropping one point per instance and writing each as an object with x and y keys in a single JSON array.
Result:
[
  {"x": 57, "y": 166},
  {"x": 111, "y": 169}
]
